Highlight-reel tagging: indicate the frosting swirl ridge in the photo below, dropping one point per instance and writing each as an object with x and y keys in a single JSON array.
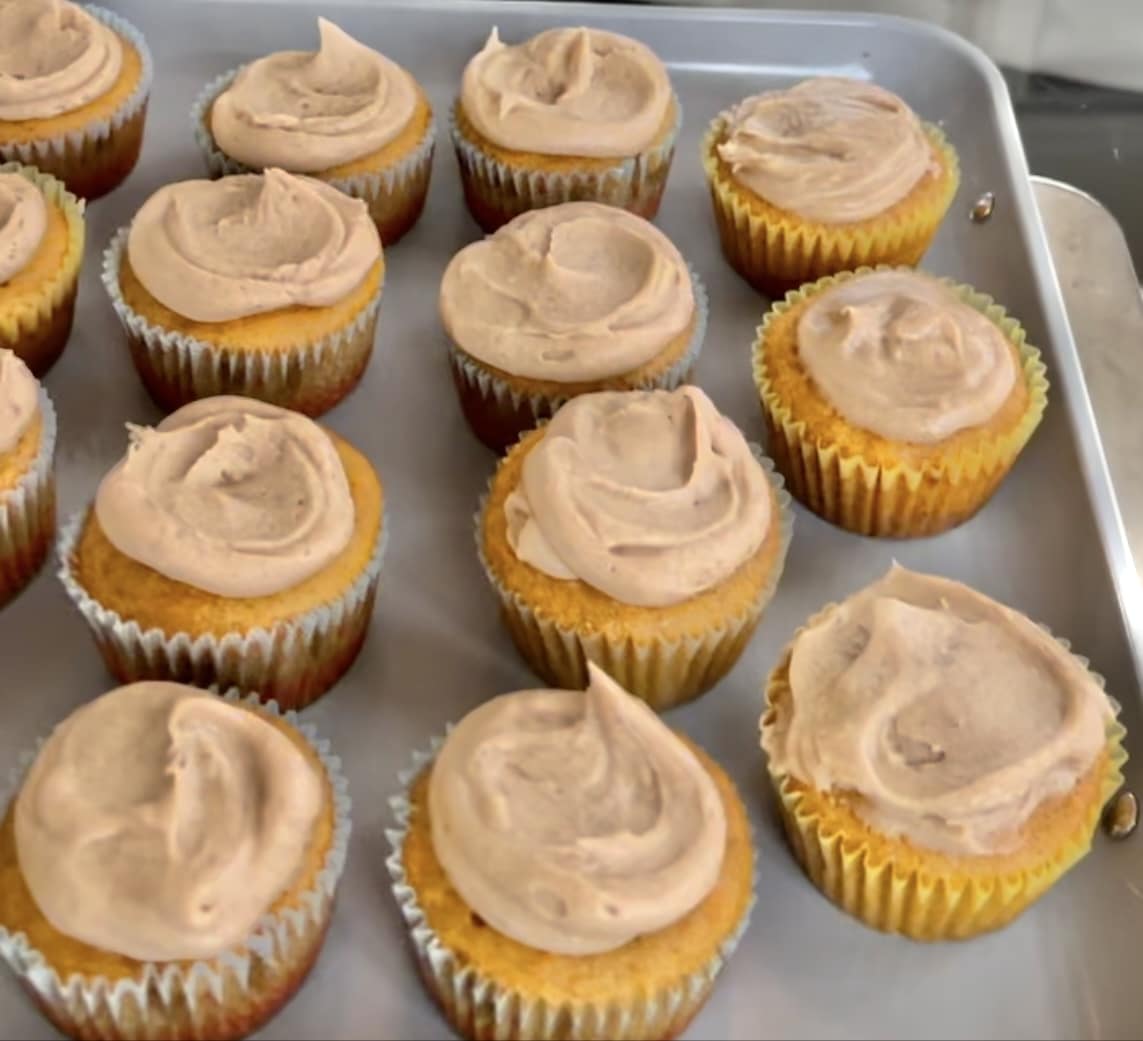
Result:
[
  {"x": 19, "y": 399},
  {"x": 23, "y": 223}
]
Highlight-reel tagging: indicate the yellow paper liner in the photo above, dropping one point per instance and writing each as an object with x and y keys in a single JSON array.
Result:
[{"x": 901, "y": 501}]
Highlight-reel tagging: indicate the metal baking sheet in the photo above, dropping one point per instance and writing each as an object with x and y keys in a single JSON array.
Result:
[{"x": 1050, "y": 543}]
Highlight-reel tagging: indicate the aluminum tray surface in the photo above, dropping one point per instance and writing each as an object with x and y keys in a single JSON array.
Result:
[{"x": 1049, "y": 543}]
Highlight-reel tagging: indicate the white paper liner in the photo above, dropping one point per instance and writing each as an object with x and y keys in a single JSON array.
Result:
[
  {"x": 277, "y": 939},
  {"x": 502, "y": 1014}
]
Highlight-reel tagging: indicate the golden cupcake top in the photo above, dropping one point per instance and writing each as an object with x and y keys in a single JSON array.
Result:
[
  {"x": 575, "y": 821},
  {"x": 55, "y": 57},
  {"x": 899, "y": 354},
  {"x": 23, "y": 222},
  {"x": 579, "y": 291},
  {"x": 19, "y": 400},
  {"x": 214, "y": 251},
  {"x": 233, "y": 496},
  {"x": 161, "y": 823},
  {"x": 309, "y": 111},
  {"x": 651, "y": 497},
  {"x": 949, "y": 717},
  {"x": 828, "y": 149},
  {"x": 580, "y": 92}
]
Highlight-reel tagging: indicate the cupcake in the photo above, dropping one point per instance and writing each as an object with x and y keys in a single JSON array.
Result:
[
  {"x": 940, "y": 760},
  {"x": 895, "y": 402},
  {"x": 827, "y": 176},
  {"x": 343, "y": 114},
  {"x": 74, "y": 82},
  {"x": 571, "y": 114},
  {"x": 236, "y": 544},
  {"x": 41, "y": 250},
  {"x": 637, "y": 530},
  {"x": 569, "y": 867},
  {"x": 169, "y": 863},
  {"x": 563, "y": 301},
  {"x": 262, "y": 285},
  {"x": 27, "y": 483}
]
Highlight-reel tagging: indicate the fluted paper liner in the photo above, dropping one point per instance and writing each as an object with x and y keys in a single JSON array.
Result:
[
  {"x": 775, "y": 250},
  {"x": 93, "y": 159},
  {"x": 28, "y": 512},
  {"x": 292, "y": 663},
  {"x": 176, "y": 369},
  {"x": 496, "y": 191},
  {"x": 499, "y": 413},
  {"x": 225, "y": 997},
  {"x": 902, "y": 501}
]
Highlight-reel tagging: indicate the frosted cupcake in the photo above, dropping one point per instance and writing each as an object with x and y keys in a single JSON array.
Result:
[
  {"x": 168, "y": 866},
  {"x": 570, "y": 114},
  {"x": 637, "y": 530},
  {"x": 344, "y": 114},
  {"x": 563, "y": 301},
  {"x": 267, "y": 286},
  {"x": 571, "y": 868}
]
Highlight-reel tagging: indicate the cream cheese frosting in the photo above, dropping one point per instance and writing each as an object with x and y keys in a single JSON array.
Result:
[
  {"x": 828, "y": 149},
  {"x": 160, "y": 823},
  {"x": 581, "y": 92},
  {"x": 651, "y": 497},
  {"x": 55, "y": 57},
  {"x": 898, "y": 354},
  {"x": 213, "y": 251},
  {"x": 23, "y": 223},
  {"x": 230, "y": 495},
  {"x": 950, "y": 716},
  {"x": 575, "y": 821},
  {"x": 310, "y": 111},
  {"x": 579, "y": 291},
  {"x": 19, "y": 400}
]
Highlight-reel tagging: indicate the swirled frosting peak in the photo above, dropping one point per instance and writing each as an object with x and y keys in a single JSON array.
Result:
[
  {"x": 23, "y": 222},
  {"x": 19, "y": 400},
  {"x": 950, "y": 717},
  {"x": 829, "y": 149},
  {"x": 579, "y": 291},
  {"x": 573, "y": 821},
  {"x": 898, "y": 354},
  {"x": 651, "y": 497},
  {"x": 311, "y": 111},
  {"x": 213, "y": 251},
  {"x": 55, "y": 57},
  {"x": 160, "y": 823},
  {"x": 581, "y": 92},
  {"x": 230, "y": 495}
]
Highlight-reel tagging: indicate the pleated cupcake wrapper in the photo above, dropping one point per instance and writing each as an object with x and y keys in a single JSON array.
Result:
[
  {"x": 780, "y": 250},
  {"x": 662, "y": 672},
  {"x": 250, "y": 660},
  {"x": 223, "y": 997},
  {"x": 902, "y": 500},
  {"x": 478, "y": 1006}
]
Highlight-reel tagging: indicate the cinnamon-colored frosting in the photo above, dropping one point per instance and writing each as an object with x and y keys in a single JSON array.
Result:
[
  {"x": 575, "y": 821},
  {"x": 55, "y": 57},
  {"x": 898, "y": 354},
  {"x": 230, "y": 495},
  {"x": 309, "y": 111},
  {"x": 581, "y": 92},
  {"x": 19, "y": 400},
  {"x": 23, "y": 222},
  {"x": 574, "y": 292},
  {"x": 651, "y": 497},
  {"x": 829, "y": 149},
  {"x": 951, "y": 716},
  {"x": 160, "y": 823}
]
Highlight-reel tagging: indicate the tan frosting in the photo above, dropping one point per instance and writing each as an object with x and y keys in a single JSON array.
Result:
[
  {"x": 829, "y": 149},
  {"x": 160, "y": 823},
  {"x": 231, "y": 495},
  {"x": 19, "y": 400},
  {"x": 23, "y": 222},
  {"x": 651, "y": 497},
  {"x": 579, "y": 291},
  {"x": 310, "y": 111},
  {"x": 213, "y": 251},
  {"x": 581, "y": 92},
  {"x": 54, "y": 58},
  {"x": 952, "y": 716},
  {"x": 575, "y": 821},
  {"x": 898, "y": 354}
]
